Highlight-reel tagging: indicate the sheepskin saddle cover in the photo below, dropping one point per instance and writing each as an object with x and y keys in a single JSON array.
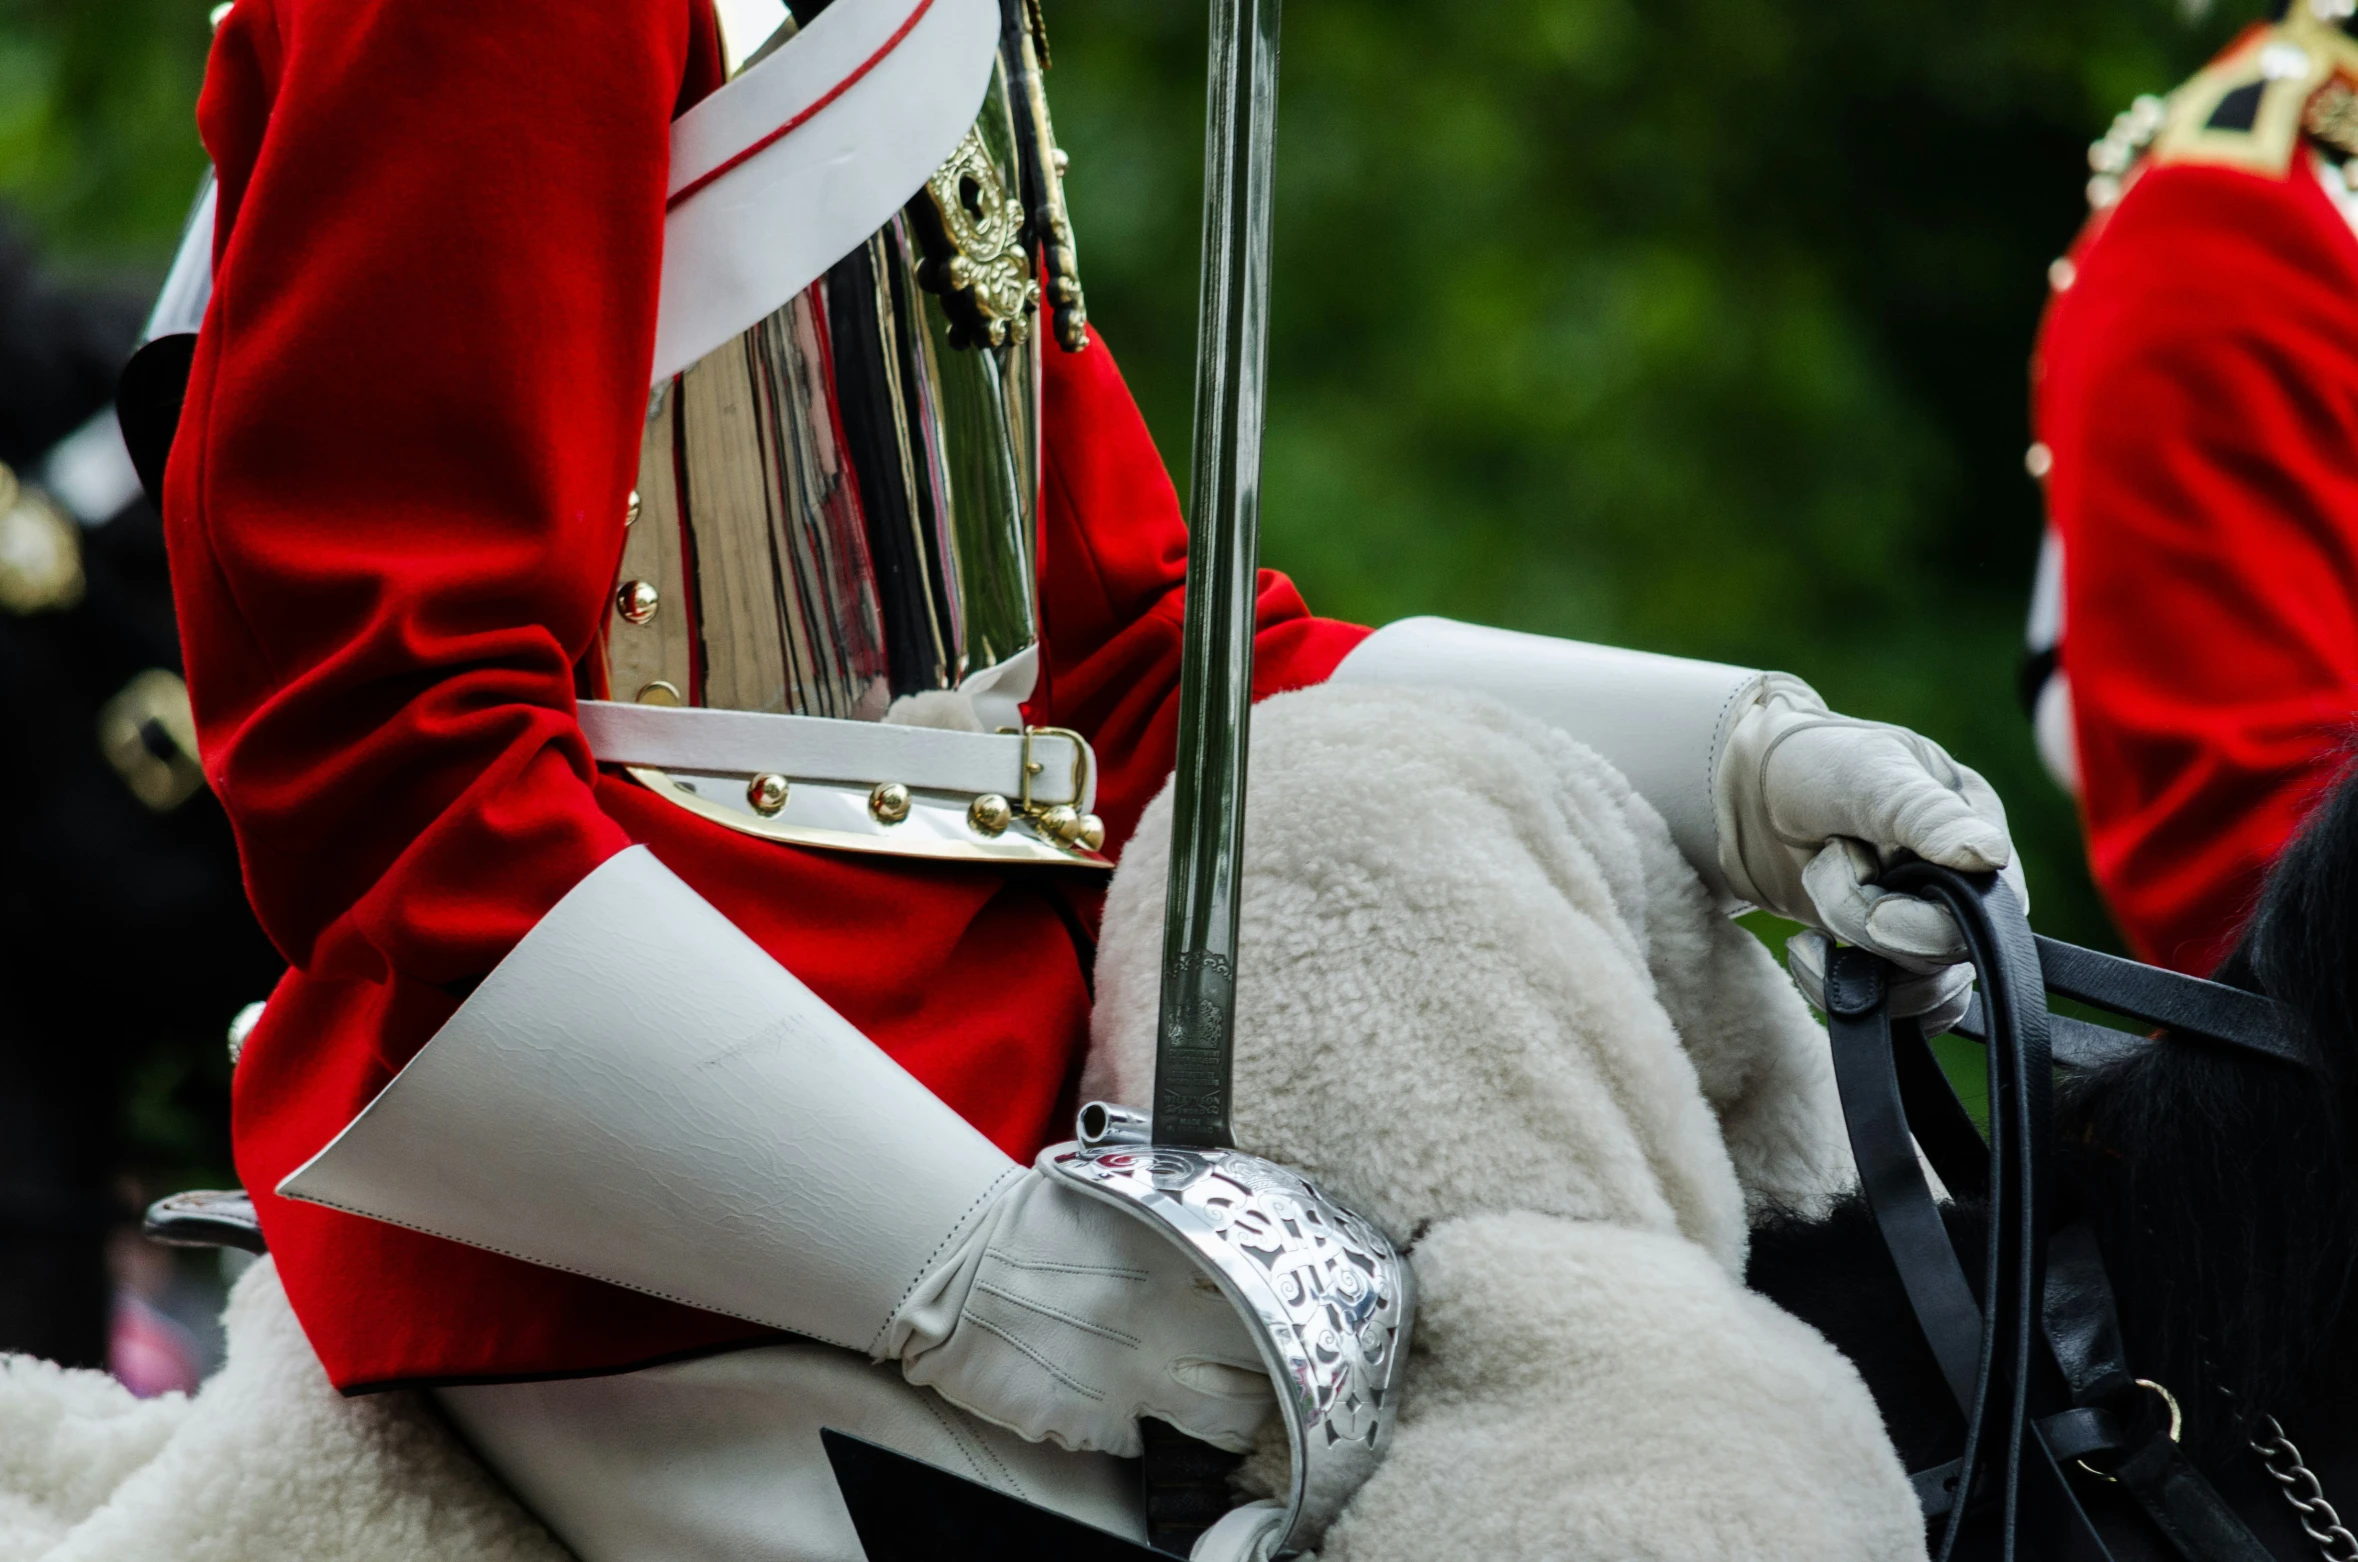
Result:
[{"x": 1484, "y": 1002}]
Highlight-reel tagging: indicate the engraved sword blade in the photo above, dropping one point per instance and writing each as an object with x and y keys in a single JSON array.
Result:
[{"x": 1194, "y": 1046}]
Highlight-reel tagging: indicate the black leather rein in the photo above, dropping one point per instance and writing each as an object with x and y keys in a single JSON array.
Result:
[{"x": 2040, "y": 1374}]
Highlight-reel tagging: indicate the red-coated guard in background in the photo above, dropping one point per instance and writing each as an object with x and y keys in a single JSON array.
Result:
[{"x": 2196, "y": 409}]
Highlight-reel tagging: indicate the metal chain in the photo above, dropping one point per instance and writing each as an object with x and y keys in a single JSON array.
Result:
[{"x": 2299, "y": 1483}]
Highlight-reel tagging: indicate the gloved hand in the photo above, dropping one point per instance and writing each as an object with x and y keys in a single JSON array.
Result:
[
  {"x": 1067, "y": 1319},
  {"x": 1813, "y": 806},
  {"x": 1939, "y": 1000}
]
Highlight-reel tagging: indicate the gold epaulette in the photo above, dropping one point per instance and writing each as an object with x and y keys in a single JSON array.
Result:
[{"x": 2251, "y": 108}]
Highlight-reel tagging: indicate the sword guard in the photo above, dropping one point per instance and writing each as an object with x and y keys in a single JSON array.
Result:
[{"x": 1329, "y": 1301}]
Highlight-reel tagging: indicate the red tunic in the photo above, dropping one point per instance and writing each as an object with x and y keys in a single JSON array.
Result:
[
  {"x": 395, "y": 508},
  {"x": 2197, "y": 385}
]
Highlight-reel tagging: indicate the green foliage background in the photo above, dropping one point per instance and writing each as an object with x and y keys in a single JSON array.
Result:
[{"x": 1698, "y": 325}]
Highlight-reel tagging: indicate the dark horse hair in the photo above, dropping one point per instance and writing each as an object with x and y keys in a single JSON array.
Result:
[{"x": 2223, "y": 1188}]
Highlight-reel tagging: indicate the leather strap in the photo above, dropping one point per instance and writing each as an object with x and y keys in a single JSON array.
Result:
[
  {"x": 1943, "y": 1129},
  {"x": 1998, "y": 936},
  {"x": 788, "y": 168},
  {"x": 2073, "y": 1043},
  {"x": 1868, "y": 1068},
  {"x": 2185, "y": 1507},
  {"x": 819, "y": 748},
  {"x": 2113, "y": 1412},
  {"x": 2187, "y": 1005},
  {"x": 2056, "y": 1284},
  {"x": 1858, "y": 1022}
]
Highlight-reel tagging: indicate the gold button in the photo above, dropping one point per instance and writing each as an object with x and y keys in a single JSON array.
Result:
[
  {"x": 636, "y": 601},
  {"x": 889, "y": 803},
  {"x": 630, "y": 511},
  {"x": 990, "y": 814},
  {"x": 1091, "y": 836},
  {"x": 767, "y": 794},
  {"x": 660, "y": 693}
]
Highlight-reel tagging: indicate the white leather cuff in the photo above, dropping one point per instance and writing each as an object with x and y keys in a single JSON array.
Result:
[
  {"x": 640, "y": 1094},
  {"x": 1663, "y": 721},
  {"x": 1758, "y": 866}
]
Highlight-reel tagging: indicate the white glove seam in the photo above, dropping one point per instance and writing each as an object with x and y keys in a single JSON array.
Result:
[
  {"x": 1051, "y": 1266},
  {"x": 958, "y": 1231},
  {"x": 1029, "y": 1305},
  {"x": 1037, "y": 1360},
  {"x": 1754, "y": 691}
]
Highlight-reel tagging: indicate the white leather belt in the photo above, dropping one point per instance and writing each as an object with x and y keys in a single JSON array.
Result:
[{"x": 863, "y": 785}]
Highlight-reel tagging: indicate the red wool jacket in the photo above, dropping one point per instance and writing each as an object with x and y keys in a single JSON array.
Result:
[
  {"x": 2197, "y": 384},
  {"x": 395, "y": 508}
]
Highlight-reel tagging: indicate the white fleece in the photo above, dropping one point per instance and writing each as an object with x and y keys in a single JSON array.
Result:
[
  {"x": 1484, "y": 1001},
  {"x": 267, "y": 1462}
]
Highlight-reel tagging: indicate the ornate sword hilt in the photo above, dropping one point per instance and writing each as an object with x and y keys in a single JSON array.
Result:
[{"x": 1327, "y": 1298}]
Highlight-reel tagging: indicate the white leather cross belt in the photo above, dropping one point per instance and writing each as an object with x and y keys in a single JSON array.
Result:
[{"x": 863, "y": 786}]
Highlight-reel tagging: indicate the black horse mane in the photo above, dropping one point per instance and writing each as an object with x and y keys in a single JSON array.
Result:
[{"x": 2223, "y": 1190}]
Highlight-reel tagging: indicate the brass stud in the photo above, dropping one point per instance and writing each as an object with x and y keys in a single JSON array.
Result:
[
  {"x": 1061, "y": 823},
  {"x": 889, "y": 803},
  {"x": 660, "y": 693},
  {"x": 1091, "y": 836},
  {"x": 636, "y": 601},
  {"x": 767, "y": 794},
  {"x": 990, "y": 814},
  {"x": 630, "y": 511}
]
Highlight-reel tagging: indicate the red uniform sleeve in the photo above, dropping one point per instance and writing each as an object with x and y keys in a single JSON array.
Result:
[
  {"x": 2200, "y": 395},
  {"x": 1114, "y": 547},
  {"x": 396, "y": 499}
]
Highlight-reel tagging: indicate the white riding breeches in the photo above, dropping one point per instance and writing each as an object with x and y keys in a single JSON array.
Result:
[{"x": 719, "y": 1460}]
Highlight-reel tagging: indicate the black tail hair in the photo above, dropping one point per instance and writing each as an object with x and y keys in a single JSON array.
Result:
[{"x": 2224, "y": 1188}]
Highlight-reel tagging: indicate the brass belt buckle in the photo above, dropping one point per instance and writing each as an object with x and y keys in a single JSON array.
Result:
[{"x": 1063, "y": 823}]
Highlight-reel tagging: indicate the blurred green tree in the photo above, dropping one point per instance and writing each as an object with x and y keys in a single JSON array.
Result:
[
  {"x": 98, "y": 142},
  {"x": 1699, "y": 325}
]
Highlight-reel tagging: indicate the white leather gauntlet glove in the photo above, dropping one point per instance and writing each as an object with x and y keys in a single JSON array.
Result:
[
  {"x": 1813, "y": 806},
  {"x": 639, "y": 1093},
  {"x": 1773, "y": 798},
  {"x": 1065, "y": 1319}
]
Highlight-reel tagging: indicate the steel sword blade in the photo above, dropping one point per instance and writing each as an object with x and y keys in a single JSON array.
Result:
[{"x": 1194, "y": 1053}]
